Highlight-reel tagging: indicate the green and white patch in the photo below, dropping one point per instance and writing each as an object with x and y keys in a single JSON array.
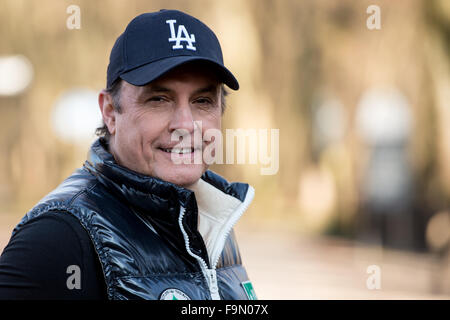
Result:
[
  {"x": 173, "y": 294},
  {"x": 249, "y": 291}
]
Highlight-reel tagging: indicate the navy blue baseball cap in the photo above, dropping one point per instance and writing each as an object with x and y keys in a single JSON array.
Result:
[{"x": 155, "y": 43}]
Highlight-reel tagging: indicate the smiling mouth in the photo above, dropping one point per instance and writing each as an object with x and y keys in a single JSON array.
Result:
[{"x": 178, "y": 150}]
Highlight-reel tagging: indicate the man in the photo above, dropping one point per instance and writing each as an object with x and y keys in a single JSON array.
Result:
[{"x": 141, "y": 219}]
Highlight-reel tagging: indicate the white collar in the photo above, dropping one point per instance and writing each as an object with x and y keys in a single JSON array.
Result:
[{"x": 218, "y": 212}]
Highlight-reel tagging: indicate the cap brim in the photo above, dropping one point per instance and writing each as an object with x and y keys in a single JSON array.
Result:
[{"x": 147, "y": 73}]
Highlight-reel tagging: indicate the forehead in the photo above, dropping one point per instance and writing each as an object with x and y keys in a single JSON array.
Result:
[
  {"x": 193, "y": 73},
  {"x": 195, "y": 77}
]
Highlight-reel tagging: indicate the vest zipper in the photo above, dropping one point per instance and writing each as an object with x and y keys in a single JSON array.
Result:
[
  {"x": 213, "y": 287},
  {"x": 209, "y": 274}
]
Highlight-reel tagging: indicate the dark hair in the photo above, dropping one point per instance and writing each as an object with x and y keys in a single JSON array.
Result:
[{"x": 114, "y": 91}]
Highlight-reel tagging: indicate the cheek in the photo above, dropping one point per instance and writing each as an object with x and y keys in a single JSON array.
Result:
[
  {"x": 211, "y": 120},
  {"x": 215, "y": 123},
  {"x": 126, "y": 130},
  {"x": 130, "y": 132},
  {"x": 148, "y": 128}
]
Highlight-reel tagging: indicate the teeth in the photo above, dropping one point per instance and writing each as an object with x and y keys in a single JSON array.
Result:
[{"x": 179, "y": 150}]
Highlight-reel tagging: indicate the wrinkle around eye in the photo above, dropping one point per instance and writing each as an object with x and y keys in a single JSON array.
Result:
[
  {"x": 204, "y": 101},
  {"x": 157, "y": 102},
  {"x": 157, "y": 99},
  {"x": 208, "y": 107}
]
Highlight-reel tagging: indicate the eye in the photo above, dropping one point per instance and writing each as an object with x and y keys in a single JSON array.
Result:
[
  {"x": 157, "y": 99},
  {"x": 203, "y": 101}
]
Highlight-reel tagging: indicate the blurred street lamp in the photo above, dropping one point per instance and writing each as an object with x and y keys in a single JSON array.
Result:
[
  {"x": 383, "y": 117},
  {"x": 16, "y": 74},
  {"x": 384, "y": 122},
  {"x": 76, "y": 115}
]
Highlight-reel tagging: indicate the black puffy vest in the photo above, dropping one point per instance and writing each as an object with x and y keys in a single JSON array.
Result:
[{"x": 144, "y": 231}]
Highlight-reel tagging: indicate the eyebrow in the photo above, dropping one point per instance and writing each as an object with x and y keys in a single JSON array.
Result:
[
  {"x": 155, "y": 89},
  {"x": 208, "y": 89}
]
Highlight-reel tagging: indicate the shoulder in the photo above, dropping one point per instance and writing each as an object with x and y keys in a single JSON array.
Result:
[
  {"x": 52, "y": 230},
  {"x": 39, "y": 256}
]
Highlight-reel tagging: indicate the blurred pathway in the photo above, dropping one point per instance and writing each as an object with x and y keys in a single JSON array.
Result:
[{"x": 284, "y": 265}]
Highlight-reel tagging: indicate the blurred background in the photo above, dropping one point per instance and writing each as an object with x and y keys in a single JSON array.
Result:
[{"x": 361, "y": 99}]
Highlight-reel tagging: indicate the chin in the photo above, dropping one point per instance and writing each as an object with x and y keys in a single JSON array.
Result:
[{"x": 183, "y": 176}]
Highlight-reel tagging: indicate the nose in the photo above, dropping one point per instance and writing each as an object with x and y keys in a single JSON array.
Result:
[{"x": 182, "y": 119}]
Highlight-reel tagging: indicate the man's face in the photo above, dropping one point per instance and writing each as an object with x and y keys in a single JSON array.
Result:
[{"x": 141, "y": 134}]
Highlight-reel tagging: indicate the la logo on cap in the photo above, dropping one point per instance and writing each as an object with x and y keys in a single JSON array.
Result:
[{"x": 182, "y": 35}]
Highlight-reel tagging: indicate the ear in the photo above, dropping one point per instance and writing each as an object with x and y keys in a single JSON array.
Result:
[{"x": 108, "y": 112}]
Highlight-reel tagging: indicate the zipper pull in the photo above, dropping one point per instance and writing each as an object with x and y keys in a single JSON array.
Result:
[{"x": 213, "y": 287}]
